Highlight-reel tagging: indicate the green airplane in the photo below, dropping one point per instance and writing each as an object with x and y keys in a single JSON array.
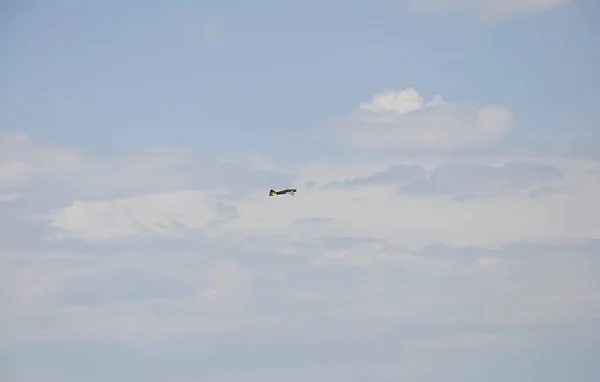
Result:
[{"x": 289, "y": 191}]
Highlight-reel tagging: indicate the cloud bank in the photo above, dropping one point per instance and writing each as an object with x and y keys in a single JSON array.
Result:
[
  {"x": 466, "y": 180},
  {"x": 402, "y": 120},
  {"x": 154, "y": 255}
]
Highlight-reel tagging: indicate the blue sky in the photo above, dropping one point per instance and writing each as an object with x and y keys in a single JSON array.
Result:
[
  {"x": 192, "y": 73},
  {"x": 445, "y": 154}
]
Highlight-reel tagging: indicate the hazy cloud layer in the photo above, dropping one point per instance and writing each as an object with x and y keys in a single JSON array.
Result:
[
  {"x": 466, "y": 180},
  {"x": 159, "y": 249},
  {"x": 337, "y": 307},
  {"x": 95, "y": 200}
]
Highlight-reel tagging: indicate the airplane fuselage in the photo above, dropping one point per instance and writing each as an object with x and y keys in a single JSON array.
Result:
[{"x": 285, "y": 191}]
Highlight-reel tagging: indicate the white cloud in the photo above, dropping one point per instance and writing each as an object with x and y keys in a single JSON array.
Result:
[
  {"x": 155, "y": 214},
  {"x": 466, "y": 180},
  {"x": 403, "y": 120},
  {"x": 26, "y": 166},
  {"x": 347, "y": 268},
  {"x": 132, "y": 295},
  {"x": 491, "y": 8},
  {"x": 401, "y": 102},
  {"x": 154, "y": 200},
  {"x": 524, "y": 203},
  {"x": 566, "y": 212},
  {"x": 21, "y": 160}
]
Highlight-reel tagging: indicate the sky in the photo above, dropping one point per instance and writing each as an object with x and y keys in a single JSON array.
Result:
[{"x": 446, "y": 225}]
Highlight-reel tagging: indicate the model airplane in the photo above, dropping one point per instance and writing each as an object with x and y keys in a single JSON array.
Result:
[{"x": 289, "y": 191}]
